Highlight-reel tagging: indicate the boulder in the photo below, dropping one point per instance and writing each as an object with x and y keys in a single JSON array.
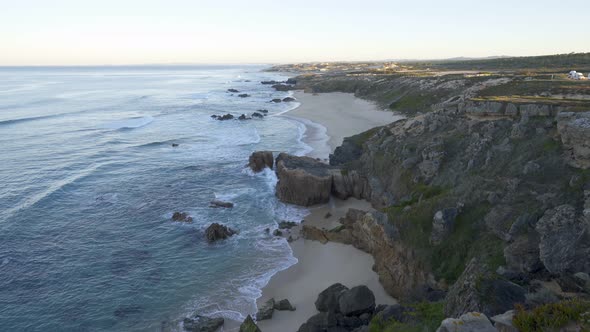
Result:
[
  {"x": 469, "y": 322},
  {"x": 224, "y": 117},
  {"x": 220, "y": 204},
  {"x": 260, "y": 160},
  {"x": 263, "y": 111},
  {"x": 277, "y": 232},
  {"x": 284, "y": 305},
  {"x": 243, "y": 117},
  {"x": 323, "y": 320},
  {"x": 565, "y": 240},
  {"x": 356, "y": 301},
  {"x": 287, "y": 224},
  {"x": 232, "y": 90},
  {"x": 302, "y": 180},
  {"x": 443, "y": 223},
  {"x": 522, "y": 254},
  {"x": 249, "y": 326},
  {"x": 574, "y": 129},
  {"x": 288, "y": 99},
  {"x": 270, "y": 82},
  {"x": 243, "y": 95},
  {"x": 217, "y": 231},
  {"x": 266, "y": 310},
  {"x": 174, "y": 145},
  {"x": 327, "y": 300},
  {"x": 182, "y": 217},
  {"x": 202, "y": 324},
  {"x": 498, "y": 296},
  {"x": 276, "y": 100},
  {"x": 257, "y": 115},
  {"x": 503, "y": 322},
  {"x": 282, "y": 87}
]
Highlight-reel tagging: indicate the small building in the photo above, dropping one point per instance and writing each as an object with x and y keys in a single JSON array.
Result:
[{"x": 574, "y": 75}]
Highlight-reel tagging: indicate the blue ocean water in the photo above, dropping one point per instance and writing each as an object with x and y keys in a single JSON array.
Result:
[{"x": 89, "y": 181}]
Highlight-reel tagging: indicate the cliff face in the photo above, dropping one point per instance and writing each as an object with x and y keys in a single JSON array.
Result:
[{"x": 515, "y": 175}]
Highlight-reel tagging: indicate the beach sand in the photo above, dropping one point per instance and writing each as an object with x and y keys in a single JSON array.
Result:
[
  {"x": 321, "y": 265},
  {"x": 340, "y": 115}
]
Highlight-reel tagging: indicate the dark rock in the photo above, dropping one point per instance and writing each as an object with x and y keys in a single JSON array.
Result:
[
  {"x": 282, "y": 87},
  {"x": 337, "y": 329},
  {"x": 214, "y": 116},
  {"x": 277, "y": 232},
  {"x": 291, "y": 81},
  {"x": 327, "y": 300},
  {"x": 395, "y": 312},
  {"x": 266, "y": 310},
  {"x": 283, "y": 305},
  {"x": 364, "y": 328},
  {"x": 302, "y": 180},
  {"x": 263, "y": 111},
  {"x": 267, "y": 230},
  {"x": 259, "y": 160},
  {"x": 288, "y": 99},
  {"x": 243, "y": 95},
  {"x": 270, "y": 82},
  {"x": 220, "y": 204},
  {"x": 571, "y": 284},
  {"x": 276, "y": 100},
  {"x": 351, "y": 322},
  {"x": 357, "y": 301},
  {"x": 202, "y": 324},
  {"x": 217, "y": 231},
  {"x": 287, "y": 224},
  {"x": 323, "y": 320},
  {"x": 522, "y": 255},
  {"x": 328, "y": 215},
  {"x": 499, "y": 296},
  {"x": 257, "y": 115},
  {"x": 249, "y": 326},
  {"x": 365, "y": 318},
  {"x": 306, "y": 327},
  {"x": 225, "y": 117},
  {"x": 243, "y": 117},
  {"x": 174, "y": 145},
  {"x": 182, "y": 216},
  {"x": 232, "y": 90}
]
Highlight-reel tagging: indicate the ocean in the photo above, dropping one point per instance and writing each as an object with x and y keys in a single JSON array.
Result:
[{"x": 90, "y": 179}]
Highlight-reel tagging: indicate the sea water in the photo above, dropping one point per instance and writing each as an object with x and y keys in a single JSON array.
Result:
[{"x": 89, "y": 180}]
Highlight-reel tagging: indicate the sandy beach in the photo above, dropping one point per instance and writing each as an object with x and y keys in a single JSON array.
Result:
[
  {"x": 320, "y": 265},
  {"x": 339, "y": 115}
]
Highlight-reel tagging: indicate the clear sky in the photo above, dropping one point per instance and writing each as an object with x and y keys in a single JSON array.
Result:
[{"x": 76, "y": 32}]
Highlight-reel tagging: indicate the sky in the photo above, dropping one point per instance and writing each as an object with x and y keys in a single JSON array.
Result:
[{"x": 117, "y": 32}]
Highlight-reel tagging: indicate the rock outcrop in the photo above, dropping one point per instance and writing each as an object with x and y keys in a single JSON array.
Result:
[
  {"x": 302, "y": 180},
  {"x": 356, "y": 301},
  {"x": 249, "y": 326},
  {"x": 182, "y": 217},
  {"x": 574, "y": 130},
  {"x": 217, "y": 232},
  {"x": 220, "y": 204},
  {"x": 284, "y": 305},
  {"x": 266, "y": 310},
  {"x": 260, "y": 160},
  {"x": 469, "y": 322},
  {"x": 202, "y": 324}
]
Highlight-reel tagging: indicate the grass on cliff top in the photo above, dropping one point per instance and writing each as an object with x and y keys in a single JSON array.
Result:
[
  {"x": 426, "y": 316},
  {"x": 553, "y": 316}
]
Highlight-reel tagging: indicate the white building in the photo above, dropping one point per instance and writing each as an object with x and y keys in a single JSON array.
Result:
[{"x": 574, "y": 75}]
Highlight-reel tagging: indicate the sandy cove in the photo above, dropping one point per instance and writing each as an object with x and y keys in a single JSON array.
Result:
[{"x": 321, "y": 265}]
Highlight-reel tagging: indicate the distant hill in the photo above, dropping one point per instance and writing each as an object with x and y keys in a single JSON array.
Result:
[{"x": 577, "y": 61}]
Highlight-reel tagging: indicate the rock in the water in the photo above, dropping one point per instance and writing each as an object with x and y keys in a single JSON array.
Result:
[
  {"x": 182, "y": 216},
  {"x": 249, "y": 326},
  {"x": 243, "y": 95},
  {"x": 263, "y": 111},
  {"x": 224, "y": 117},
  {"x": 259, "y": 160},
  {"x": 243, "y": 117},
  {"x": 277, "y": 232},
  {"x": 266, "y": 310},
  {"x": 174, "y": 145},
  {"x": 232, "y": 90},
  {"x": 276, "y": 100},
  {"x": 469, "y": 322},
  {"x": 302, "y": 180},
  {"x": 442, "y": 225},
  {"x": 257, "y": 115},
  {"x": 356, "y": 301},
  {"x": 327, "y": 300},
  {"x": 282, "y": 87},
  {"x": 287, "y": 224},
  {"x": 220, "y": 204},
  {"x": 283, "y": 305},
  {"x": 217, "y": 231},
  {"x": 202, "y": 324},
  {"x": 288, "y": 99}
]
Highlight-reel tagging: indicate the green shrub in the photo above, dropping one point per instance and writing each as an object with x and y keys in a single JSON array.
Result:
[{"x": 552, "y": 316}]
